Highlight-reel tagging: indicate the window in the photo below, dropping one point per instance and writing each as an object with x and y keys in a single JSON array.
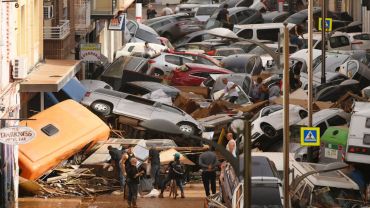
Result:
[
  {"x": 201, "y": 74},
  {"x": 139, "y": 100},
  {"x": 130, "y": 48},
  {"x": 366, "y": 139},
  {"x": 147, "y": 36},
  {"x": 339, "y": 41},
  {"x": 245, "y": 3},
  {"x": 322, "y": 127},
  {"x": 206, "y": 10},
  {"x": 268, "y": 34},
  {"x": 50, "y": 130},
  {"x": 250, "y": 65},
  {"x": 185, "y": 60},
  {"x": 173, "y": 60},
  {"x": 367, "y": 124},
  {"x": 362, "y": 37},
  {"x": 240, "y": 16},
  {"x": 337, "y": 121},
  {"x": 246, "y": 34},
  {"x": 198, "y": 38}
]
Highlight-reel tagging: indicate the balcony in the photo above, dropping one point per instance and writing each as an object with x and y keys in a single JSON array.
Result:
[
  {"x": 103, "y": 9},
  {"x": 82, "y": 17},
  {"x": 58, "y": 32}
]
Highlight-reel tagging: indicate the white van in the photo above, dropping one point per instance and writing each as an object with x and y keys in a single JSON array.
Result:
[
  {"x": 338, "y": 41},
  {"x": 261, "y": 32},
  {"x": 358, "y": 142}
]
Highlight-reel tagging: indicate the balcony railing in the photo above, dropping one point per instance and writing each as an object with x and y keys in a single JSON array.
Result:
[
  {"x": 82, "y": 17},
  {"x": 58, "y": 32}
]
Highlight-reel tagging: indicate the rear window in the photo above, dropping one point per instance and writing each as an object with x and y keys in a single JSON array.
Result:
[{"x": 206, "y": 10}]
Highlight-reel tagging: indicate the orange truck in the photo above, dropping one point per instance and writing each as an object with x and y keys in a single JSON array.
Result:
[{"x": 62, "y": 131}]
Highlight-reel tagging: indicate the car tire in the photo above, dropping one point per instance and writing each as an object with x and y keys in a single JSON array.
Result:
[
  {"x": 102, "y": 108},
  {"x": 187, "y": 128},
  {"x": 158, "y": 73},
  {"x": 268, "y": 130}
]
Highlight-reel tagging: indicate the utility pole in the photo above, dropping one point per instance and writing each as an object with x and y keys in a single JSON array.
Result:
[
  {"x": 310, "y": 72},
  {"x": 247, "y": 165},
  {"x": 323, "y": 42},
  {"x": 286, "y": 92}
]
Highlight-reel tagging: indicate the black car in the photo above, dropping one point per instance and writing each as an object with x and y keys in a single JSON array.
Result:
[
  {"x": 144, "y": 87},
  {"x": 238, "y": 15}
]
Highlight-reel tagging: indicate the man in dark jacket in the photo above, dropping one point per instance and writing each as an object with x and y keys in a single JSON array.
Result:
[
  {"x": 133, "y": 176},
  {"x": 209, "y": 163},
  {"x": 154, "y": 166},
  {"x": 223, "y": 17},
  {"x": 175, "y": 172},
  {"x": 116, "y": 156}
]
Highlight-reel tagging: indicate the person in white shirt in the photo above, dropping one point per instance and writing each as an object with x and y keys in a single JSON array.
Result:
[
  {"x": 230, "y": 89},
  {"x": 231, "y": 145},
  {"x": 167, "y": 10}
]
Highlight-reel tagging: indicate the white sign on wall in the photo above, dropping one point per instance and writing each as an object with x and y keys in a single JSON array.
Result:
[
  {"x": 17, "y": 135},
  {"x": 90, "y": 52}
]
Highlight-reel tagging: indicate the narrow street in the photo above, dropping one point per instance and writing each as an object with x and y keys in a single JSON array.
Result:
[{"x": 194, "y": 198}]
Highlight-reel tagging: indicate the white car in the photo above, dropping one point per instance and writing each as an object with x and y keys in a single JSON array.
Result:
[
  {"x": 165, "y": 63},
  {"x": 360, "y": 41},
  {"x": 134, "y": 49},
  {"x": 269, "y": 121},
  {"x": 338, "y": 41}
]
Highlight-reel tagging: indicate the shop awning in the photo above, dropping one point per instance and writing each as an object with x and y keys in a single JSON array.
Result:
[{"x": 50, "y": 76}]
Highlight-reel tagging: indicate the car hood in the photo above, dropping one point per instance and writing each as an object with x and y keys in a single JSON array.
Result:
[{"x": 223, "y": 33}]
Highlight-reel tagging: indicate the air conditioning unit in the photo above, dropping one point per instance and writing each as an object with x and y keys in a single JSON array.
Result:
[
  {"x": 20, "y": 69},
  {"x": 48, "y": 12}
]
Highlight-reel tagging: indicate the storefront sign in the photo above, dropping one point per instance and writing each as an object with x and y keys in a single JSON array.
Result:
[
  {"x": 117, "y": 23},
  {"x": 90, "y": 52},
  {"x": 17, "y": 135}
]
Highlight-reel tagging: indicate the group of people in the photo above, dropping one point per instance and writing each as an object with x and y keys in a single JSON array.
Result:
[{"x": 152, "y": 13}]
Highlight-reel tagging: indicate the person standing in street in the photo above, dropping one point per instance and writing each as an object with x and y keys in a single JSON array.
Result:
[
  {"x": 133, "y": 175},
  {"x": 130, "y": 154},
  {"x": 209, "y": 163},
  {"x": 175, "y": 172},
  {"x": 167, "y": 10},
  {"x": 231, "y": 144},
  {"x": 223, "y": 17},
  {"x": 116, "y": 156},
  {"x": 230, "y": 89},
  {"x": 155, "y": 163},
  {"x": 150, "y": 12}
]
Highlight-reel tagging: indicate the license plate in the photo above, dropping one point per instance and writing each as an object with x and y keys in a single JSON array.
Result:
[{"x": 331, "y": 153}]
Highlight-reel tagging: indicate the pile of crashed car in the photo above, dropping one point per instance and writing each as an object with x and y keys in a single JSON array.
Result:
[{"x": 181, "y": 82}]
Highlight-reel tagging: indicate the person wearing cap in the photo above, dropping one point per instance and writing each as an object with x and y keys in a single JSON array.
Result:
[
  {"x": 209, "y": 164},
  {"x": 175, "y": 172}
]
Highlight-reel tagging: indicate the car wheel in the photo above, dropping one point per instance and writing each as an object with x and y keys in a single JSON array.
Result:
[
  {"x": 101, "y": 108},
  {"x": 158, "y": 73},
  {"x": 268, "y": 130},
  {"x": 187, "y": 128}
]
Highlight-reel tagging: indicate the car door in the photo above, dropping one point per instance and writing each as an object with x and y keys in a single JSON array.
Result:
[
  {"x": 135, "y": 107},
  {"x": 162, "y": 111}
]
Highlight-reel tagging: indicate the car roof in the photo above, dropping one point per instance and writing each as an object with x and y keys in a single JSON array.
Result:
[
  {"x": 320, "y": 115},
  {"x": 335, "y": 179},
  {"x": 264, "y": 26},
  {"x": 209, "y": 5}
]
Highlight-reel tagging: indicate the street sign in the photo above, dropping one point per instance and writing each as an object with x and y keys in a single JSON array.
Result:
[
  {"x": 117, "y": 23},
  {"x": 90, "y": 52},
  {"x": 310, "y": 136},
  {"x": 17, "y": 135},
  {"x": 328, "y": 24}
]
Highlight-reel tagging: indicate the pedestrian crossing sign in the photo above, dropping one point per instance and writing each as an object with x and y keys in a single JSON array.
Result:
[
  {"x": 310, "y": 136},
  {"x": 328, "y": 24}
]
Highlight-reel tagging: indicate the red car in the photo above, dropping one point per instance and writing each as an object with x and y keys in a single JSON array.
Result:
[
  {"x": 199, "y": 58},
  {"x": 192, "y": 74}
]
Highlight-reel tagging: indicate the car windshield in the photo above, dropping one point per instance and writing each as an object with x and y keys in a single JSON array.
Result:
[
  {"x": 147, "y": 36},
  {"x": 206, "y": 10},
  {"x": 123, "y": 63},
  {"x": 336, "y": 197}
]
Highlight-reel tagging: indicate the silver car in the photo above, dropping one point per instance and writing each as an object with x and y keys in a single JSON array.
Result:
[{"x": 106, "y": 102}]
